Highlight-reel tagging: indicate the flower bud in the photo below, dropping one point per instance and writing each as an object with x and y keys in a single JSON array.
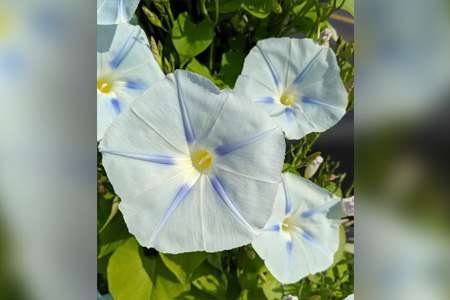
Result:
[
  {"x": 152, "y": 17},
  {"x": 325, "y": 36},
  {"x": 313, "y": 166},
  {"x": 155, "y": 51},
  {"x": 348, "y": 205}
]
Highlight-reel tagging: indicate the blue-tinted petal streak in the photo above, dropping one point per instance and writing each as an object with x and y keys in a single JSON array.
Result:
[
  {"x": 188, "y": 130},
  {"x": 218, "y": 187},
  {"x": 164, "y": 160},
  {"x": 276, "y": 77},
  {"x": 228, "y": 148},
  {"x": 308, "y": 67}
]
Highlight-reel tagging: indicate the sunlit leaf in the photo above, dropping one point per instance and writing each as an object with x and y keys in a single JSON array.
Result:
[
  {"x": 258, "y": 8},
  {"x": 132, "y": 275},
  {"x": 183, "y": 265},
  {"x": 191, "y": 39}
]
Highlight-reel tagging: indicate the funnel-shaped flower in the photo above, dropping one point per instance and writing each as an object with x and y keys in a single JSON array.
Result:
[
  {"x": 125, "y": 69},
  {"x": 299, "y": 239},
  {"x": 297, "y": 82},
  {"x": 115, "y": 11},
  {"x": 197, "y": 168}
]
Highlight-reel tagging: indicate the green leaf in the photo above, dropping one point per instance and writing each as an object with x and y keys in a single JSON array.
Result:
[
  {"x": 228, "y": 6},
  {"x": 127, "y": 276},
  {"x": 271, "y": 287},
  {"x": 209, "y": 280},
  {"x": 232, "y": 63},
  {"x": 250, "y": 276},
  {"x": 113, "y": 236},
  {"x": 191, "y": 39},
  {"x": 258, "y": 8},
  {"x": 350, "y": 248},
  {"x": 196, "y": 67},
  {"x": 183, "y": 265},
  {"x": 132, "y": 275},
  {"x": 349, "y": 5},
  {"x": 112, "y": 214}
]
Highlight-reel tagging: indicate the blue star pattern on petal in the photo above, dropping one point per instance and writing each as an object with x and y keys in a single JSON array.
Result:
[
  {"x": 297, "y": 82},
  {"x": 185, "y": 159},
  {"x": 300, "y": 237}
]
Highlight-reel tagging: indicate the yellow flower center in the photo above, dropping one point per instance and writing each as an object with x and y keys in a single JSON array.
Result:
[
  {"x": 104, "y": 85},
  {"x": 201, "y": 160},
  {"x": 287, "y": 99},
  {"x": 285, "y": 227}
]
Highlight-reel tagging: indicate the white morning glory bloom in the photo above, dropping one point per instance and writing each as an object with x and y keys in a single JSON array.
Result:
[
  {"x": 297, "y": 82},
  {"x": 299, "y": 239},
  {"x": 125, "y": 69},
  {"x": 197, "y": 169},
  {"x": 115, "y": 11}
]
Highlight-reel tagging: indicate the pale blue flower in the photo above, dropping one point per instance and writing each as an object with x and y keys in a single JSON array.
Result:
[
  {"x": 297, "y": 82},
  {"x": 197, "y": 169},
  {"x": 300, "y": 238},
  {"x": 125, "y": 69},
  {"x": 115, "y": 11},
  {"x": 350, "y": 297}
]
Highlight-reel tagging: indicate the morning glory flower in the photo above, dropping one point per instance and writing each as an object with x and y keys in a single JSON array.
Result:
[
  {"x": 125, "y": 69},
  {"x": 300, "y": 238},
  {"x": 197, "y": 169},
  {"x": 297, "y": 82},
  {"x": 115, "y": 11}
]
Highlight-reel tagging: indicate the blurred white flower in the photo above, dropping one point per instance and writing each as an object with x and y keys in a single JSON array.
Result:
[
  {"x": 186, "y": 161},
  {"x": 350, "y": 297},
  {"x": 115, "y": 11},
  {"x": 313, "y": 166},
  {"x": 125, "y": 69},
  {"x": 297, "y": 82},
  {"x": 300, "y": 237},
  {"x": 348, "y": 205},
  {"x": 290, "y": 297}
]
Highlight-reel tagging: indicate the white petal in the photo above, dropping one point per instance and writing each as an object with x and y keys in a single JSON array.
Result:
[
  {"x": 115, "y": 11},
  {"x": 148, "y": 212},
  {"x": 203, "y": 222},
  {"x": 236, "y": 142},
  {"x": 313, "y": 240}
]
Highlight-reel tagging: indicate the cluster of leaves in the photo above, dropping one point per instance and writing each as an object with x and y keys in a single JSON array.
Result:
[{"x": 212, "y": 38}]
